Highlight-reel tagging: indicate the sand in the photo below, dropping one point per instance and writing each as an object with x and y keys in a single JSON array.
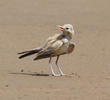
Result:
[{"x": 26, "y": 24}]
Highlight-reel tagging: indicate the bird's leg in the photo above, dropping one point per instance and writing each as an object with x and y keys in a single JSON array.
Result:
[
  {"x": 51, "y": 67},
  {"x": 59, "y": 67}
]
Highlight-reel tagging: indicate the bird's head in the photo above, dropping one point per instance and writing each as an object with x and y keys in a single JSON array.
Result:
[{"x": 67, "y": 29}]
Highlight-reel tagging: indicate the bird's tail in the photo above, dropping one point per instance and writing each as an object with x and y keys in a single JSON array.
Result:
[{"x": 28, "y": 53}]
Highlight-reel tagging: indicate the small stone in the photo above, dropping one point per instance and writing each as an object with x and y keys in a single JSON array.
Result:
[
  {"x": 6, "y": 85},
  {"x": 22, "y": 70}
]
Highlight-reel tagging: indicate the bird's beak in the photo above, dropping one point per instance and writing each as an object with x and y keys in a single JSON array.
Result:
[{"x": 60, "y": 27}]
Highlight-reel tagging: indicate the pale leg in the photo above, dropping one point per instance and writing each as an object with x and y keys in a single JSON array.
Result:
[
  {"x": 59, "y": 67},
  {"x": 51, "y": 67}
]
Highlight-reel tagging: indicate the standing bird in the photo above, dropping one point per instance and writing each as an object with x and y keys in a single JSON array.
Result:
[{"x": 55, "y": 46}]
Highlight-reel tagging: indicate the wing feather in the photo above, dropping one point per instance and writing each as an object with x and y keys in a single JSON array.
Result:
[{"x": 51, "y": 49}]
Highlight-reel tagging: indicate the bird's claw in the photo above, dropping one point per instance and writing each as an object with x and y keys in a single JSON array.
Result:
[
  {"x": 56, "y": 75},
  {"x": 63, "y": 74}
]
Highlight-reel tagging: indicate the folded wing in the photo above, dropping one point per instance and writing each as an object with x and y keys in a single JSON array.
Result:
[{"x": 50, "y": 50}]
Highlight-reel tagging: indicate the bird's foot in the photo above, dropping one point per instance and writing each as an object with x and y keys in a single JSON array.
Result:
[
  {"x": 62, "y": 74},
  {"x": 56, "y": 75}
]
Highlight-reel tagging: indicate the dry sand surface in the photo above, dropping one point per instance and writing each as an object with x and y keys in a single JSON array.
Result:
[{"x": 26, "y": 24}]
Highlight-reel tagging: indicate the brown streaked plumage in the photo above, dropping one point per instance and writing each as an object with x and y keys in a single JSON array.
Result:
[{"x": 55, "y": 46}]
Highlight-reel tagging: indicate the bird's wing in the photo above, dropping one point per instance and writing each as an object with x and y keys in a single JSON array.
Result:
[
  {"x": 51, "y": 40},
  {"x": 50, "y": 49}
]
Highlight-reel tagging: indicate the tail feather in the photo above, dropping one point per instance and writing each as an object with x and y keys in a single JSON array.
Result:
[
  {"x": 28, "y": 53},
  {"x": 23, "y": 52}
]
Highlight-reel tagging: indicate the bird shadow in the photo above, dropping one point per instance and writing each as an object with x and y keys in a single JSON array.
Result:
[
  {"x": 31, "y": 74},
  {"x": 41, "y": 74}
]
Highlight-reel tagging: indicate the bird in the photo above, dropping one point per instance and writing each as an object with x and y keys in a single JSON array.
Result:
[{"x": 55, "y": 46}]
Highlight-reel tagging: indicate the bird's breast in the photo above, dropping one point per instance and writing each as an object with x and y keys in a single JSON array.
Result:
[{"x": 64, "y": 48}]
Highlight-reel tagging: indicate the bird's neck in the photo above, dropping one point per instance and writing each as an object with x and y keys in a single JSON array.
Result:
[{"x": 67, "y": 35}]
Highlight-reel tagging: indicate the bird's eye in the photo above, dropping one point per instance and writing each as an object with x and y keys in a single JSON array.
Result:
[{"x": 67, "y": 28}]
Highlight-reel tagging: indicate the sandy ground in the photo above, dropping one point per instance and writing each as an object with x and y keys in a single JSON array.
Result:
[{"x": 26, "y": 24}]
